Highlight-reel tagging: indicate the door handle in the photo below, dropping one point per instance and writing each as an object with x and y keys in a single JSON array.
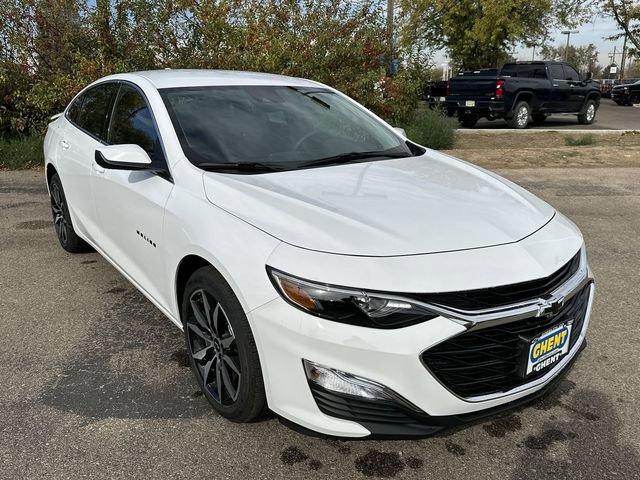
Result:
[
  {"x": 64, "y": 144},
  {"x": 556, "y": 85}
]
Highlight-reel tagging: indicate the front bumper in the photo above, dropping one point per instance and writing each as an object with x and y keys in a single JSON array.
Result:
[{"x": 392, "y": 358}]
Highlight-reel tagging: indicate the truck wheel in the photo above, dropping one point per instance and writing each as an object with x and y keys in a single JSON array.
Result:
[
  {"x": 468, "y": 120},
  {"x": 538, "y": 117},
  {"x": 588, "y": 115},
  {"x": 520, "y": 118}
]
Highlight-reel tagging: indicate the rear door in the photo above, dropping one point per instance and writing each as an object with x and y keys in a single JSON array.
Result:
[
  {"x": 130, "y": 204},
  {"x": 85, "y": 130}
]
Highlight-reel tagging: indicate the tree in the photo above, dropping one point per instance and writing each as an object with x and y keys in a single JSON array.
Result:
[
  {"x": 626, "y": 13},
  {"x": 480, "y": 33},
  {"x": 583, "y": 58}
]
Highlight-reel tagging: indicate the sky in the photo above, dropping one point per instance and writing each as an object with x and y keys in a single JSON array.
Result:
[{"x": 593, "y": 32}]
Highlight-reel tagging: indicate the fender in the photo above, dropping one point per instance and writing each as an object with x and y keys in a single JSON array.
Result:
[
  {"x": 591, "y": 96},
  {"x": 519, "y": 95}
]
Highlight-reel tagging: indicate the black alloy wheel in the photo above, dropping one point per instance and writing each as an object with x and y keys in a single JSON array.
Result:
[
  {"x": 222, "y": 351},
  {"x": 67, "y": 236},
  {"x": 213, "y": 346}
]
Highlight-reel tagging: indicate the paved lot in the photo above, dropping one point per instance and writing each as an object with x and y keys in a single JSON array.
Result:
[
  {"x": 610, "y": 117},
  {"x": 94, "y": 383}
]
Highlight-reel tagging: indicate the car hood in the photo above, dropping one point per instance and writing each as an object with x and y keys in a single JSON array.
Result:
[{"x": 425, "y": 204}]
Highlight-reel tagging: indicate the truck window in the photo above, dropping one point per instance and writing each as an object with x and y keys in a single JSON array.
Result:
[
  {"x": 570, "y": 73},
  {"x": 523, "y": 71},
  {"x": 556, "y": 72}
]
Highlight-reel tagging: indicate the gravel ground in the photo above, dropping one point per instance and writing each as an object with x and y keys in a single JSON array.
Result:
[{"x": 95, "y": 384}]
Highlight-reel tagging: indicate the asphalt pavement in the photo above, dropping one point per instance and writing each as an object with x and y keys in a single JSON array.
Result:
[
  {"x": 609, "y": 117},
  {"x": 94, "y": 380}
]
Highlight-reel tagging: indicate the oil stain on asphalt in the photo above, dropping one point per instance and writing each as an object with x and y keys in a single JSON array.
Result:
[{"x": 34, "y": 225}]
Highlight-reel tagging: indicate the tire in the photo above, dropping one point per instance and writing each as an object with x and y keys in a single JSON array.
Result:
[
  {"x": 520, "y": 118},
  {"x": 538, "y": 118},
  {"x": 468, "y": 120},
  {"x": 588, "y": 115},
  {"x": 67, "y": 236},
  {"x": 227, "y": 355}
]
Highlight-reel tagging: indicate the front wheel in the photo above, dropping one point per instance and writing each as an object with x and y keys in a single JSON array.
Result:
[
  {"x": 221, "y": 348},
  {"x": 520, "y": 118},
  {"x": 589, "y": 113}
]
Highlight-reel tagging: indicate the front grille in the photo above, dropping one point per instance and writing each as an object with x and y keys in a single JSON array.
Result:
[
  {"x": 487, "y": 360},
  {"x": 503, "y": 295}
]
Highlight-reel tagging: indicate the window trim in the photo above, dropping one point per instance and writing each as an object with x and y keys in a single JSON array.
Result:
[
  {"x": 118, "y": 82},
  {"x": 109, "y": 108}
]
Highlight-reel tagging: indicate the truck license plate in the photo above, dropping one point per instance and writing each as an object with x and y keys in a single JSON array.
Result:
[{"x": 470, "y": 103}]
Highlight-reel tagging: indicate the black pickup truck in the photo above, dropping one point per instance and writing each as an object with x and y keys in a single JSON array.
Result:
[
  {"x": 626, "y": 94},
  {"x": 520, "y": 92}
]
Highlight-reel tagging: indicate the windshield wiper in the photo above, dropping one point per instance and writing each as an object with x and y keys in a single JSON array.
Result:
[
  {"x": 244, "y": 167},
  {"x": 351, "y": 156}
]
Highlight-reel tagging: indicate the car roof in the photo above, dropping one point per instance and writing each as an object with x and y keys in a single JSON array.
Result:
[{"x": 172, "y": 78}]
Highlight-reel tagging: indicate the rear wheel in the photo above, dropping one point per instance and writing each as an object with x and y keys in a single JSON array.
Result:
[
  {"x": 520, "y": 118},
  {"x": 68, "y": 238},
  {"x": 588, "y": 115},
  {"x": 221, "y": 347},
  {"x": 468, "y": 120}
]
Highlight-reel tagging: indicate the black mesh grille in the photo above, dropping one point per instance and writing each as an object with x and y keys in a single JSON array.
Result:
[
  {"x": 488, "y": 360},
  {"x": 503, "y": 295}
]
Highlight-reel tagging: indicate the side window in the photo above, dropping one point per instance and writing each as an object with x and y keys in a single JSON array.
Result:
[
  {"x": 93, "y": 115},
  {"x": 131, "y": 122},
  {"x": 556, "y": 72},
  {"x": 74, "y": 109},
  {"x": 571, "y": 74}
]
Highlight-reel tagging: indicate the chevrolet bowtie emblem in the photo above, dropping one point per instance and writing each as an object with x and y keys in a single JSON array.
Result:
[{"x": 549, "y": 306}]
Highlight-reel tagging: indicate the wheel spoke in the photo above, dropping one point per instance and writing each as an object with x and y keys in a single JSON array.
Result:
[
  {"x": 207, "y": 309},
  {"x": 215, "y": 319},
  {"x": 206, "y": 369},
  {"x": 198, "y": 314},
  {"x": 227, "y": 382},
  {"x": 202, "y": 334},
  {"x": 219, "y": 379},
  {"x": 227, "y": 342},
  {"x": 200, "y": 354},
  {"x": 227, "y": 359}
]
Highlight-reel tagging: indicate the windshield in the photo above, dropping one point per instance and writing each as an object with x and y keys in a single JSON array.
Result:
[{"x": 247, "y": 128}]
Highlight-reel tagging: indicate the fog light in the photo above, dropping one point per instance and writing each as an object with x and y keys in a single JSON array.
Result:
[{"x": 348, "y": 384}]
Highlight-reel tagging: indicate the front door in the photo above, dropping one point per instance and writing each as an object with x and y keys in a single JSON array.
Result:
[{"x": 130, "y": 204}]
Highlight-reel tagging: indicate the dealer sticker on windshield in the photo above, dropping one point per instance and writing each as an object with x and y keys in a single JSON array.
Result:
[{"x": 548, "y": 348}]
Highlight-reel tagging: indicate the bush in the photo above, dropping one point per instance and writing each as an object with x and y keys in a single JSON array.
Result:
[
  {"x": 432, "y": 128},
  {"x": 21, "y": 152},
  {"x": 582, "y": 141}
]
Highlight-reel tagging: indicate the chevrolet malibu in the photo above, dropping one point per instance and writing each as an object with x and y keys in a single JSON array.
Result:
[{"x": 320, "y": 264}]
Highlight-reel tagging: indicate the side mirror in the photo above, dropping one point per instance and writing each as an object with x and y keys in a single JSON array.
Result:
[
  {"x": 400, "y": 131},
  {"x": 122, "y": 157}
]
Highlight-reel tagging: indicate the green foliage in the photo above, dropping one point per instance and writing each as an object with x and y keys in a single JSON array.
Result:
[
  {"x": 432, "y": 128},
  {"x": 21, "y": 152},
  {"x": 480, "y": 33},
  {"x": 50, "y": 49},
  {"x": 583, "y": 58},
  {"x": 581, "y": 141}
]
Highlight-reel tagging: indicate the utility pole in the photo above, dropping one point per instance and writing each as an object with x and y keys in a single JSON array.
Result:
[
  {"x": 390, "y": 38},
  {"x": 566, "y": 49}
]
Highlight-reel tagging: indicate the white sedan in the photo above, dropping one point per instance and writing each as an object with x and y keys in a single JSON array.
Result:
[{"x": 320, "y": 264}]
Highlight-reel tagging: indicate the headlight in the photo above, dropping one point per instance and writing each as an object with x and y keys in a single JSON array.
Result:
[{"x": 347, "y": 305}]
